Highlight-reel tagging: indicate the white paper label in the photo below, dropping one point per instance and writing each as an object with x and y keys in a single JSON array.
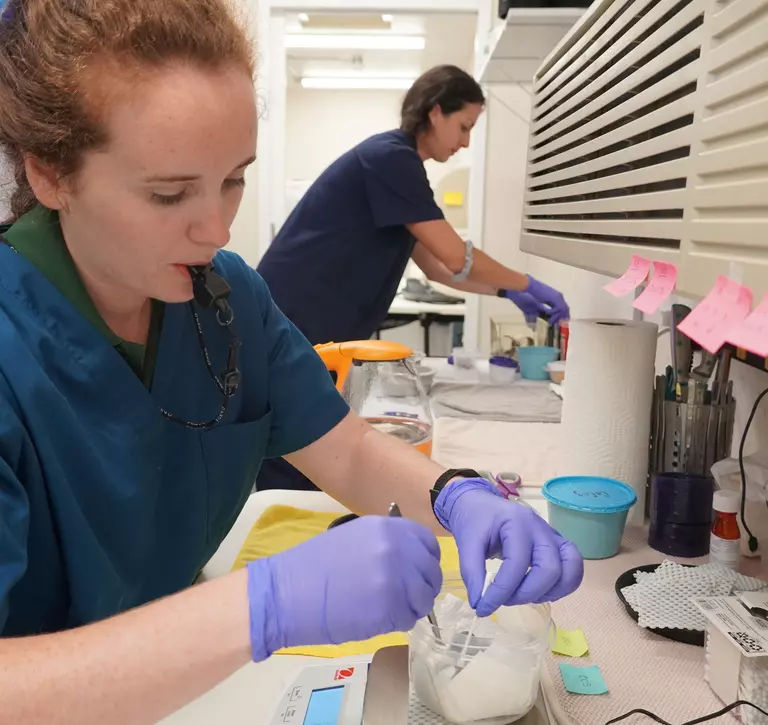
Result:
[
  {"x": 724, "y": 551},
  {"x": 749, "y": 633}
]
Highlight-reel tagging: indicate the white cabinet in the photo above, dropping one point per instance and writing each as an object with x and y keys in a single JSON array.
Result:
[
  {"x": 517, "y": 46},
  {"x": 649, "y": 135}
]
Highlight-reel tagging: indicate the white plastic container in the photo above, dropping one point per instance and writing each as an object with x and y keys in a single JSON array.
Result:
[
  {"x": 556, "y": 370},
  {"x": 736, "y": 656},
  {"x": 502, "y": 370},
  {"x": 732, "y": 676},
  {"x": 464, "y": 358},
  {"x": 491, "y": 678}
]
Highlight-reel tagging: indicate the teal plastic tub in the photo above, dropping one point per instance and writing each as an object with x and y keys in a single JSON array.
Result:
[
  {"x": 589, "y": 511},
  {"x": 534, "y": 360}
]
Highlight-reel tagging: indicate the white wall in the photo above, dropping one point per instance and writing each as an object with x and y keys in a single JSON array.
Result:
[
  {"x": 508, "y": 111},
  {"x": 504, "y": 186},
  {"x": 322, "y": 124},
  {"x": 244, "y": 232}
]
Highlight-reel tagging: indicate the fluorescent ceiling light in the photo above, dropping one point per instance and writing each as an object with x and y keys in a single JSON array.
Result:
[
  {"x": 386, "y": 18},
  {"x": 355, "y": 42},
  {"x": 303, "y": 18},
  {"x": 358, "y": 84}
]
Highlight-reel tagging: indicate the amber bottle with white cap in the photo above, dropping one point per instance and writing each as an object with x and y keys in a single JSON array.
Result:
[{"x": 726, "y": 535}]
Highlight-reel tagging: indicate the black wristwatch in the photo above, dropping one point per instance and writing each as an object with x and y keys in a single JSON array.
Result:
[{"x": 451, "y": 473}]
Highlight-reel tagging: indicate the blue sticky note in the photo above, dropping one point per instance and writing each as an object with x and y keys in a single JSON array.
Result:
[{"x": 583, "y": 680}]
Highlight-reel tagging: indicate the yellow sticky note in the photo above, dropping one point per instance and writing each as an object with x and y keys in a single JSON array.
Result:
[
  {"x": 571, "y": 644},
  {"x": 453, "y": 198}
]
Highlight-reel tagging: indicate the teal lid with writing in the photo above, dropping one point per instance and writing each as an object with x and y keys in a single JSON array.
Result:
[{"x": 592, "y": 494}]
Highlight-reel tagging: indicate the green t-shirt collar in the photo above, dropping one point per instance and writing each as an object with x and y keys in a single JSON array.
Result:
[{"x": 37, "y": 237}]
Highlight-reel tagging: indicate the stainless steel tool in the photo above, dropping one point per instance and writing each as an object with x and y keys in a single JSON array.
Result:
[
  {"x": 723, "y": 374},
  {"x": 394, "y": 510},
  {"x": 387, "y": 688},
  {"x": 703, "y": 371},
  {"x": 690, "y": 437},
  {"x": 682, "y": 354}
]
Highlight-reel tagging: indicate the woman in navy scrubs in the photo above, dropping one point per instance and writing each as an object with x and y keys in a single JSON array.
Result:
[
  {"x": 126, "y": 454},
  {"x": 336, "y": 264}
]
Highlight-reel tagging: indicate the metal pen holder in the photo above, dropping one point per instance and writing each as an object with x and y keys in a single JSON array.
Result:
[{"x": 689, "y": 437}]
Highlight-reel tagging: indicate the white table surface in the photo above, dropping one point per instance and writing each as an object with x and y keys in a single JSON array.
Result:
[
  {"x": 402, "y": 306},
  {"x": 479, "y": 374}
]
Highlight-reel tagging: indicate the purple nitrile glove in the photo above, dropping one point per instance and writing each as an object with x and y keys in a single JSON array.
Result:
[
  {"x": 527, "y": 304},
  {"x": 538, "y": 298},
  {"x": 538, "y": 565},
  {"x": 551, "y": 297},
  {"x": 371, "y": 576}
]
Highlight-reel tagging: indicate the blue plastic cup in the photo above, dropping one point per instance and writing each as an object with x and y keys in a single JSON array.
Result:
[
  {"x": 590, "y": 511},
  {"x": 534, "y": 360}
]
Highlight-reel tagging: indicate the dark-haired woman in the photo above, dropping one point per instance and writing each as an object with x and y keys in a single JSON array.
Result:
[{"x": 335, "y": 266}]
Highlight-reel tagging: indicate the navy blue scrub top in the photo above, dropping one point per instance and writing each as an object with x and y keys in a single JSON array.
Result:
[
  {"x": 335, "y": 265},
  {"x": 104, "y": 503}
]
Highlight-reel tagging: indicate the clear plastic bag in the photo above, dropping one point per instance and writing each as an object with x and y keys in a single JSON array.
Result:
[{"x": 471, "y": 670}]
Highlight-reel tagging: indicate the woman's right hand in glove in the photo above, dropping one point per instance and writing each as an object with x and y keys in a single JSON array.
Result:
[
  {"x": 371, "y": 576},
  {"x": 540, "y": 299}
]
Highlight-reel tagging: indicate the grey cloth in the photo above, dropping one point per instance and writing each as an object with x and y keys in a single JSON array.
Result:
[{"x": 514, "y": 403}]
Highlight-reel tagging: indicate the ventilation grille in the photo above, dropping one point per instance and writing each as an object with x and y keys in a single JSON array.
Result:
[
  {"x": 729, "y": 173},
  {"x": 610, "y": 132},
  {"x": 649, "y": 135}
]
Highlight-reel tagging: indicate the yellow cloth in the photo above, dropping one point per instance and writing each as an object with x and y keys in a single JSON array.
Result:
[{"x": 282, "y": 527}]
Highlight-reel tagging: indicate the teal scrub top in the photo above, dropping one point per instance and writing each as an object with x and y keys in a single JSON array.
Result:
[
  {"x": 105, "y": 504},
  {"x": 49, "y": 254}
]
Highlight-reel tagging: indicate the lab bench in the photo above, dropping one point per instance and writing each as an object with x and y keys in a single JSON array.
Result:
[
  {"x": 403, "y": 312},
  {"x": 250, "y": 695},
  {"x": 641, "y": 669}
]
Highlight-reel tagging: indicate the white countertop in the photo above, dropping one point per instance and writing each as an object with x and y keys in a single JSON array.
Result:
[{"x": 402, "y": 306}]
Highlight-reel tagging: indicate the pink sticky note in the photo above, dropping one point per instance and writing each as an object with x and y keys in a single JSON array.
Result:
[
  {"x": 660, "y": 287},
  {"x": 752, "y": 333},
  {"x": 633, "y": 277},
  {"x": 718, "y": 314}
]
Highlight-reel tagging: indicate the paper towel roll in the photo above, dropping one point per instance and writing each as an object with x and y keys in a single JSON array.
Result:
[{"x": 606, "y": 415}]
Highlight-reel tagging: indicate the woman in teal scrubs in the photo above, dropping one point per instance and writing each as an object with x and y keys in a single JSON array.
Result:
[{"x": 145, "y": 374}]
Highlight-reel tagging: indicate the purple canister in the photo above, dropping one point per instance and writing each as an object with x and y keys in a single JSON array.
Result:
[
  {"x": 683, "y": 540},
  {"x": 681, "y": 514}
]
